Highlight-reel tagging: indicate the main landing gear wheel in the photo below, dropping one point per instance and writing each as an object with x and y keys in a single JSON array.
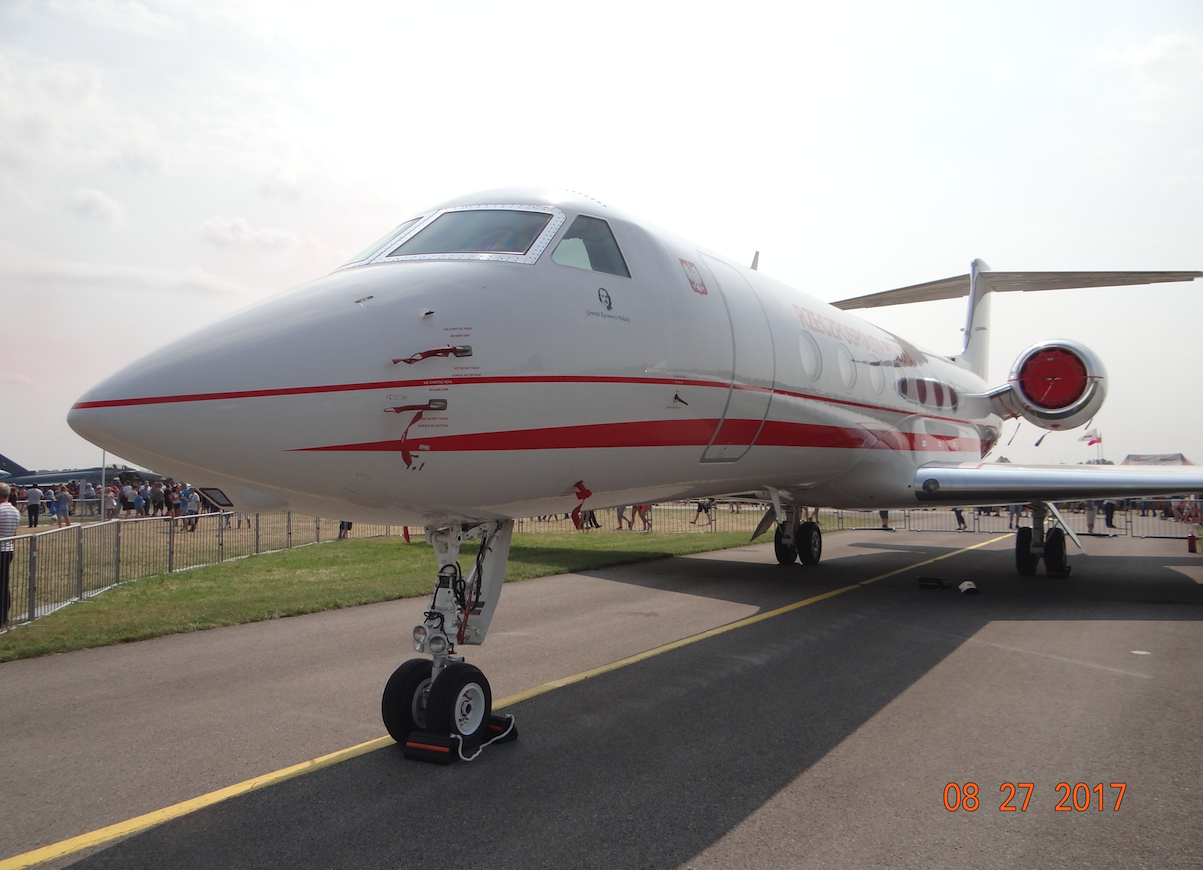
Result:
[
  {"x": 461, "y": 702},
  {"x": 810, "y": 543},
  {"x": 404, "y": 704},
  {"x": 1056, "y": 564},
  {"x": 786, "y": 554},
  {"x": 1025, "y": 559}
]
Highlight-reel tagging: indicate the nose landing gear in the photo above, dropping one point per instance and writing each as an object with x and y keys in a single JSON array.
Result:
[{"x": 441, "y": 709}]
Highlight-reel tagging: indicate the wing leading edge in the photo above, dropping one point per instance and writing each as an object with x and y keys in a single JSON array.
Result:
[{"x": 998, "y": 483}]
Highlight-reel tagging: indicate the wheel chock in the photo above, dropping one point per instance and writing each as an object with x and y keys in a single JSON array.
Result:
[
  {"x": 450, "y": 748},
  {"x": 434, "y": 748}
]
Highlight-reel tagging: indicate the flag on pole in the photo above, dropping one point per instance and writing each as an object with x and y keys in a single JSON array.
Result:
[{"x": 1090, "y": 435}]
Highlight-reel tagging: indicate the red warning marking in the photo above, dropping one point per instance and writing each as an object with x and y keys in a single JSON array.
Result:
[
  {"x": 581, "y": 494},
  {"x": 426, "y": 354}
]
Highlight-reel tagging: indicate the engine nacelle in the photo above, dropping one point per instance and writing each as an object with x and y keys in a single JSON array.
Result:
[{"x": 1054, "y": 385}]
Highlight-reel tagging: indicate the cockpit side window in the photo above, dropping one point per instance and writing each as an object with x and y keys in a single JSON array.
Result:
[
  {"x": 589, "y": 244},
  {"x": 502, "y": 231}
]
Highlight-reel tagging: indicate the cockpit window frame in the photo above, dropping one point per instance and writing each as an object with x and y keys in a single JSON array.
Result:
[{"x": 530, "y": 257}]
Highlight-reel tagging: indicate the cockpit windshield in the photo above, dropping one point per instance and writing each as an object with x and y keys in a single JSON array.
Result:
[{"x": 477, "y": 231}]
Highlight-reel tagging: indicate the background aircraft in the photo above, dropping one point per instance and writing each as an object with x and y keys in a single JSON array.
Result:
[
  {"x": 19, "y": 475},
  {"x": 522, "y": 352}
]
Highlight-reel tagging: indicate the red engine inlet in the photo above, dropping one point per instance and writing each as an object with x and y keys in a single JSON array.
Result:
[
  {"x": 1056, "y": 385},
  {"x": 1054, "y": 378}
]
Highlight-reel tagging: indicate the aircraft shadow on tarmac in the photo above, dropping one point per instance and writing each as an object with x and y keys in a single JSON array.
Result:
[{"x": 649, "y": 765}]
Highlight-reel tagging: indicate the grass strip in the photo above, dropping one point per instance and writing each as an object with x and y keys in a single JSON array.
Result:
[{"x": 313, "y": 579}]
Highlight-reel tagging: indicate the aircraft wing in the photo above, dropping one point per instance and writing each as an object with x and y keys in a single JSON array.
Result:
[
  {"x": 1007, "y": 282},
  {"x": 1003, "y": 483}
]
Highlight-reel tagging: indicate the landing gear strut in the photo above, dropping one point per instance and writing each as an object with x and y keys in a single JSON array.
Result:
[
  {"x": 441, "y": 709},
  {"x": 795, "y": 540}
]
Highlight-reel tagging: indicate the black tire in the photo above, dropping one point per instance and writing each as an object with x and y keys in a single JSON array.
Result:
[
  {"x": 460, "y": 703},
  {"x": 786, "y": 554},
  {"x": 404, "y": 704},
  {"x": 1025, "y": 560},
  {"x": 810, "y": 543},
  {"x": 1055, "y": 560}
]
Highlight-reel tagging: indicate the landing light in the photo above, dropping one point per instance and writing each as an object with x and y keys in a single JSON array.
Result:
[
  {"x": 420, "y": 634},
  {"x": 438, "y": 644}
]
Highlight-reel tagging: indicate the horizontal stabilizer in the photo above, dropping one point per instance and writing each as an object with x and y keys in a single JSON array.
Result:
[
  {"x": 1007, "y": 282},
  {"x": 1004, "y": 483}
]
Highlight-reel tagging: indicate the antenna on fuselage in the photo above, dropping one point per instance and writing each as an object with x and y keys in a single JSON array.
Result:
[{"x": 755, "y": 260}]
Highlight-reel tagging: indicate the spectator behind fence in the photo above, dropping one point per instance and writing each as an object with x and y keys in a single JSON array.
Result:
[
  {"x": 10, "y": 518},
  {"x": 33, "y": 505},
  {"x": 64, "y": 503}
]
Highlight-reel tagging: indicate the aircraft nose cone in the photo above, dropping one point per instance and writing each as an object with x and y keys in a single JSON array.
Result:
[{"x": 205, "y": 401}]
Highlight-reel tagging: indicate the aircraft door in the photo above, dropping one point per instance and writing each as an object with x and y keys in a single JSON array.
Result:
[{"x": 753, "y": 367}]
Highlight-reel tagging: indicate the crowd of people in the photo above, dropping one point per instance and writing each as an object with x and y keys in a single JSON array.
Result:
[{"x": 167, "y": 499}]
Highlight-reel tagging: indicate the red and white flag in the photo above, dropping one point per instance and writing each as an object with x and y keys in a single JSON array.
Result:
[{"x": 1091, "y": 437}]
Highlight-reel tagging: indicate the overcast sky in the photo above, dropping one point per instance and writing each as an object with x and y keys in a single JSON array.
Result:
[{"x": 163, "y": 163}]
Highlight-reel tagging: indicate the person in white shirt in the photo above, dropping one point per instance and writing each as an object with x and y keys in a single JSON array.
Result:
[
  {"x": 89, "y": 495},
  {"x": 33, "y": 505},
  {"x": 193, "y": 509},
  {"x": 10, "y": 518},
  {"x": 128, "y": 494}
]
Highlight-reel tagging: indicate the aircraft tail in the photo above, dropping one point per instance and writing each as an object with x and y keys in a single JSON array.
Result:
[
  {"x": 981, "y": 282},
  {"x": 11, "y": 467}
]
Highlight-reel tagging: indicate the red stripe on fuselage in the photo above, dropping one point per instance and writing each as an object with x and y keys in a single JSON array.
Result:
[{"x": 666, "y": 433}]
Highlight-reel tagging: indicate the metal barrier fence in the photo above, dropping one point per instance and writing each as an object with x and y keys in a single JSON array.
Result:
[{"x": 55, "y": 567}]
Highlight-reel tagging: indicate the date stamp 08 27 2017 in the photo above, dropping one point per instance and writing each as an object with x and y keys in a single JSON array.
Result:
[{"x": 1017, "y": 795}]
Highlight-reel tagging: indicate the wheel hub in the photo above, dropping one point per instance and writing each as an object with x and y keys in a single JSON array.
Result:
[{"x": 469, "y": 709}]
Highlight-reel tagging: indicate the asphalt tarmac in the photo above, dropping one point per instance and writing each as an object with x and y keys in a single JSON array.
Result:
[{"x": 824, "y": 736}]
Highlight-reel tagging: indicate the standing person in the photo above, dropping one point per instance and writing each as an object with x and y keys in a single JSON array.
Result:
[
  {"x": 156, "y": 499},
  {"x": 1109, "y": 513},
  {"x": 110, "y": 502},
  {"x": 89, "y": 495},
  {"x": 1092, "y": 512},
  {"x": 645, "y": 514},
  {"x": 33, "y": 505},
  {"x": 10, "y": 518},
  {"x": 344, "y": 529},
  {"x": 622, "y": 515},
  {"x": 63, "y": 508},
  {"x": 193, "y": 508},
  {"x": 960, "y": 518}
]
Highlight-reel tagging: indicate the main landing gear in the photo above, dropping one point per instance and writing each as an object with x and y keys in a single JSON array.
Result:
[
  {"x": 441, "y": 709},
  {"x": 795, "y": 540},
  {"x": 1033, "y": 544}
]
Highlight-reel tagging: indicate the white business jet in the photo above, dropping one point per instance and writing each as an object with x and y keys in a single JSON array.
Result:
[{"x": 525, "y": 352}]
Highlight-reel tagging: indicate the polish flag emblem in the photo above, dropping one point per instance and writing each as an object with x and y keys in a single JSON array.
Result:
[{"x": 694, "y": 276}]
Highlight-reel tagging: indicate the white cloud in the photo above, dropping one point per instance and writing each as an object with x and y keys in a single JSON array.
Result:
[
  {"x": 1166, "y": 69},
  {"x": 129, "y": 16},
  {"x": 238, "y": 233},
  {"x": 90, "y": 204},
  {"x": 33, "y": 276}
]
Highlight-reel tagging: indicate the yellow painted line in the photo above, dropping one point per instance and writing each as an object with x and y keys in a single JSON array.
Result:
[{"x": 141, "y": 823}]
